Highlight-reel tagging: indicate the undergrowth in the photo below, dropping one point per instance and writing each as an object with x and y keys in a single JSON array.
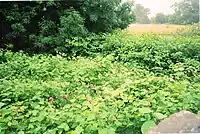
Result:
[{"x": 118, "y": 83}]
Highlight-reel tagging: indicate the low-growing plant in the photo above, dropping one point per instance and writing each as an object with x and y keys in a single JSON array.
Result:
[
  {"x": 193, "y": 30},
  {"x": 51, "y": 94}
]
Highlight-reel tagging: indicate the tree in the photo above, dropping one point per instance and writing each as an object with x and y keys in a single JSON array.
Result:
[
  {"x": 44, "y": 25},
  {"x": 186, "y": 12},
  {"x": 170, "y": 18},
  {"x": 160, "y": 18},
  {"x": 141, "y": 14},
  {"x": 106, "y": 15}
]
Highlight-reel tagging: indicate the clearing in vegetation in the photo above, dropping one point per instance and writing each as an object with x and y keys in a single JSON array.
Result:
[{"x": 156, "y": 28}]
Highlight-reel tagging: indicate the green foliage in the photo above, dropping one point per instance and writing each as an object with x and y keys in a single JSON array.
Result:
[
  {"x": 125, "y": 16},
  {"x": 155, "y": 53},
  {"x": 160, "y": 18},
  {"x": 193, "y": 30},
  {"x": 141, "y": 14},
  {"x": 71, "y": 25},
  {"x": 106, "y": 15},
  {"x": 186, "y": 12},
  {"x": 128, "y": 85},
  {"x": 43, "y": 26}
]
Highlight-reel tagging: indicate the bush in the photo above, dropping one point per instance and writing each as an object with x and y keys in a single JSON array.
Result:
[
  {"x": 50, "y": 94},
  {"x": 116, "y": 83},
  {"x": 193, "y": 30},
  {"x": 51, "y": 39},
  {"x": 153, "y": 52},
  {"x": 42, "y": 26}
]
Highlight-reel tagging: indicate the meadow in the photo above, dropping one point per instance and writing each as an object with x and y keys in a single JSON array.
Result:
[
  {"x": 164, "y": 29},
  {"x": 117, "y": 83}
]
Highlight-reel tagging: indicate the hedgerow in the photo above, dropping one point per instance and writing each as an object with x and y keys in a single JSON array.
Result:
[{"x": 159, "y": 54}]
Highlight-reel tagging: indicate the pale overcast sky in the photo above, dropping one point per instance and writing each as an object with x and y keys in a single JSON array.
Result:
[{"x": 157, "y": 6}]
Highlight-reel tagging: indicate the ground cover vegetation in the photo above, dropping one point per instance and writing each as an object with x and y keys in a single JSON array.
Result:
[
  {"x": 106, "y": 83},
  {"x": 125, "y": 84}
]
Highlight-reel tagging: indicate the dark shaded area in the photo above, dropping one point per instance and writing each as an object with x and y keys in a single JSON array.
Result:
[
  {"x": 43, "y": 26},
  {"x": 17, "y": 12}
]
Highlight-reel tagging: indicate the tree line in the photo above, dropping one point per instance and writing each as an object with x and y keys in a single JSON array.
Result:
[
  {"x": 185, "y": 12},
  {"x": 44, "y": 26}
]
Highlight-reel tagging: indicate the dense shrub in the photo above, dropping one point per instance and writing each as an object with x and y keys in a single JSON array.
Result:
[
  {"x": 42, "y": 26},
  {"x": 126, "y": 84},
  {"x": 159, "y": 54},
  {"x": 154, "y": 52},
  {"x": 50, "y": 94},
  {"x": 193, "y": 30}
]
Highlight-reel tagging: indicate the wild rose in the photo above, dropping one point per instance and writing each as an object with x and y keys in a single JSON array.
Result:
[
  {"x": 89, "y": 100},
  {"x": 65, "y": 96},
  {"x": 51, "y": 99}
]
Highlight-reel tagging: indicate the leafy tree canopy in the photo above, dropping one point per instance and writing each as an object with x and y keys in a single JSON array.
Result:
[
  {"x": 186, "y": 12},
  {"x": 141, "y": 14},
  {"x": 160, "y": 18},
  {"x": 45, "y": 25}
]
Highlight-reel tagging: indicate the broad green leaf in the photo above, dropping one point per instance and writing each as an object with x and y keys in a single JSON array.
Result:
[
  {"x": 36, "y": 130},
  {"x": 91, "y": 116},
  {"x": 78, "y": 130},
  {"x": 1, "y": 104},
  {"x": 6, "y": 112},
  {"x": 92, "y": 128},
  {"x": 145, "y": 110},
  {"x": 102, "y": 131},
  {"x": 6, "y": 100},
  {"x": 104, "y": 114},
  {"x": 20, "y": 132},
  {"x": 106, "y": 131},
  {"x": 41, "y": 116},
  {"x": 64, "y": 126},
  {"x": 117, "y": 123},
  {"x": 148, "y": 125},
  {"x": 34, "y": 112},
  {"x": 111, "y": 131},
  {"x": 51, "y": 132},
  {"x": 145, "y": 103}
]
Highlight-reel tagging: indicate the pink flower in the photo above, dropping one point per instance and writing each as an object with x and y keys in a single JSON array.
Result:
[
  {"x": 51, "y": 99},
  {"x": 65, "y": 96},
  {"x": 89, "y": 100}
]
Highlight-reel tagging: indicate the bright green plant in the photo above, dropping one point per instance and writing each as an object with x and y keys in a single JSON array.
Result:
[
  {"x": 114, "y": 83},
  {"x": 50, "y": 94}
]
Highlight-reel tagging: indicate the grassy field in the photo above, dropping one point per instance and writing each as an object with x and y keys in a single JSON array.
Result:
[{"x": 155, "y": 28}]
